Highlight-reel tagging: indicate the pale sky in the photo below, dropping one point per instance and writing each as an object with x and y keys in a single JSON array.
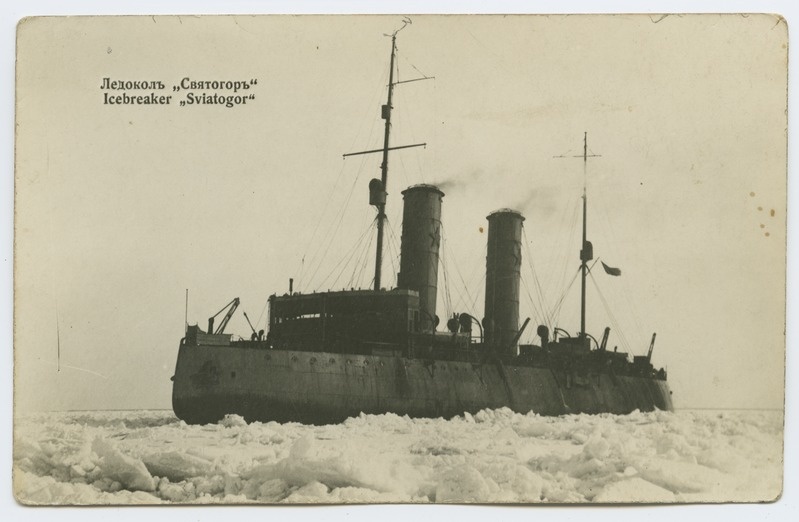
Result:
[{"x": 121, "y": 208}]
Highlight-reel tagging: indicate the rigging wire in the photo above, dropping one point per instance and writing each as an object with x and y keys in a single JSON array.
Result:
[
  {"x": 359, "y": 258},
  {"x": 447, "y": 296},
  {"x": 611, "y": 316},
  {"x": 314, "y": 256},
  {"x": 535, "y": 309},
  {"x": 631, "y": 310},
  {"x": 477, "y": 296},
  {"x": 316, "y": 227},
  {"x": 345, "y": 259},
  {"x": 327, "y": 242},
  {"x": 467, "y": 300},
  {"x": 403, "y": 122},
  {"x": 364, "y": 262},
  {"x": 559, "y": 303},
  {"x": 413, "y": 66},
  {"x": 536, "y": 316},
  {"x": 338, "y": 221},
  {"x": 394, "y": 252},
  {"x": 392, "y": 247},
  {"x": 541, "y": 305},
  {"x": 261, "y": 315},
  {"x": 435, "y": 128},
  {"x": 389, "y": 249},
  {"x": 564, "y": 249},
  {"x": 479, "y": 275},
  {"x": 337, "y": 225},
  {"x": 404, "y": 170},
  {"x": 366, "y": 254},
  {"x": 396, "y": 113},
  {"x": 445, "y": 271}
]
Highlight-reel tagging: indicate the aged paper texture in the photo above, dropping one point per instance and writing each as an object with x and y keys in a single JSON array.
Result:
[{"x": 168, "y": 165}]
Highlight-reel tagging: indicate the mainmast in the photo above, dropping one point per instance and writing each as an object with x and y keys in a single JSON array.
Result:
[{"x": 586, "y": 249}]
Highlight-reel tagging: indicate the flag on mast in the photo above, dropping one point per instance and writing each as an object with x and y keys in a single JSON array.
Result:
[{"x": 610, "y": 270}]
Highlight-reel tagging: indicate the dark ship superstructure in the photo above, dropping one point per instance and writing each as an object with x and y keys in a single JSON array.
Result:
[{"x": 331, "y": 355}]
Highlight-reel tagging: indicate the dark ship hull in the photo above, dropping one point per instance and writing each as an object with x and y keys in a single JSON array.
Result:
[{"x": 321, "y": 388}]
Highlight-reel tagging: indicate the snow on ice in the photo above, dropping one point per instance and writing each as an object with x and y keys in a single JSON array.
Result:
[{"x": 150, "y": 457}]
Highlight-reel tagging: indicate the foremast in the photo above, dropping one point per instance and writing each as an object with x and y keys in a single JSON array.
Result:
[
  {"x": 381, "y": 208},
  {"x": 377, "y": 188}
]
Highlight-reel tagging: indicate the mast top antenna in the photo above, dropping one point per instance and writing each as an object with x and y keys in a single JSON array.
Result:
[{"x": 405, "y": 22}]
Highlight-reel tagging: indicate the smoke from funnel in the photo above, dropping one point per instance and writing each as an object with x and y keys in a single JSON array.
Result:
[
  {"x": 539, "y": 200},
  {"x": 458, "y": 182}
]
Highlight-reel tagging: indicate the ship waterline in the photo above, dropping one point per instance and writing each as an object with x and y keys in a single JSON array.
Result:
[{"x": 321, "y": 387}]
